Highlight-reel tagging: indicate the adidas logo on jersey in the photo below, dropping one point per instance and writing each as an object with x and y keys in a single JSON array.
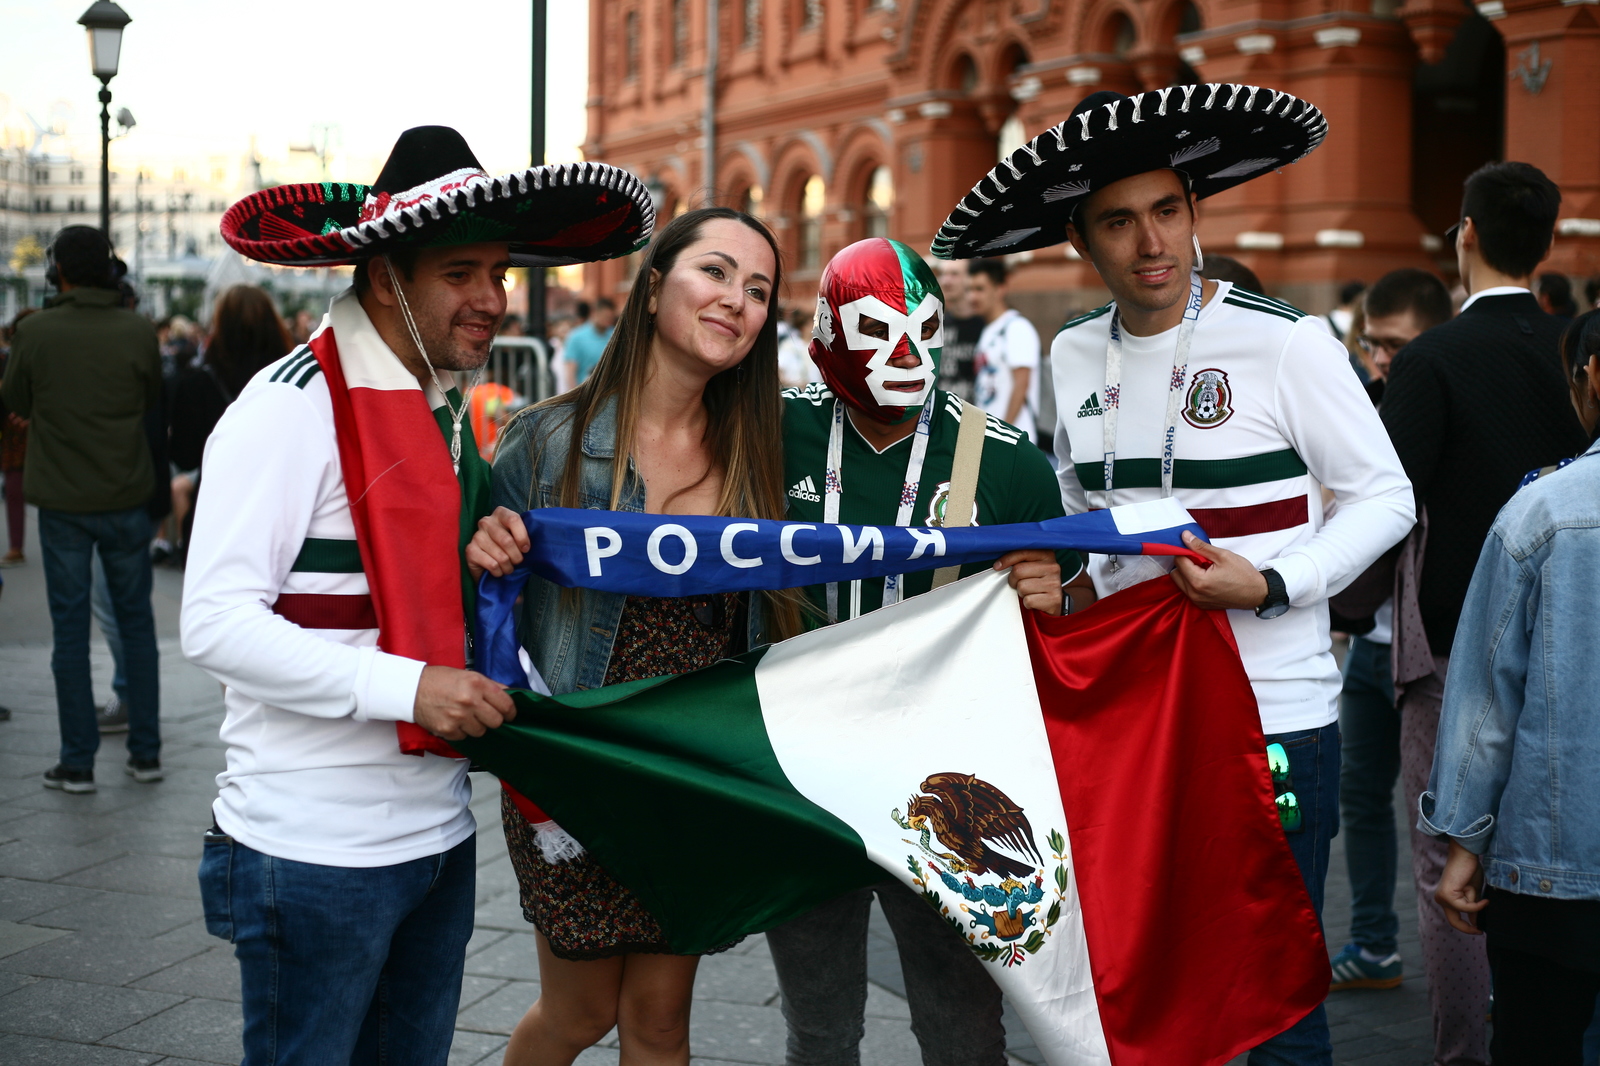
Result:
[
  {"x": 805, "y": 489},
  {"x": 1091, "y": 407}
]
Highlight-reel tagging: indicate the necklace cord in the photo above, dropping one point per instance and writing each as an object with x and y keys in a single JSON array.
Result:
[{"x": 457, "y": 414}]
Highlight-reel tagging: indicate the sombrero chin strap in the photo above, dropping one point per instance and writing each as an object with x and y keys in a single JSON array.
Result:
[{"x": 456, "y": 413}]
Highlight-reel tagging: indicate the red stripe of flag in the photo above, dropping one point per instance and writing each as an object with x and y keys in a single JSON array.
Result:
[{"x": 1202, "y": 940}]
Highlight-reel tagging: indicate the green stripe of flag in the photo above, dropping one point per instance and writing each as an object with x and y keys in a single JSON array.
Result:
[
  {"x": 1196, "y": 473},
  {"x": 673, "y": 786},
  {"x": 322, "y": 556}
]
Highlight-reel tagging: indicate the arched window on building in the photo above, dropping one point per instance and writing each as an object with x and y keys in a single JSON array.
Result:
[
  {"x": 812, "y": 200},
  {"x": 1120, "y": 34},
  {"x": 680, "y": 31},
  {"x": 630, "y": 45},
  {"x": 1012, "y": 135},
  {"x": 750, "y": 28},
  {"x": 1189, "y": 21},
  {"x": 879, "y": 202},
  {"x": 750, "y": 201},
  {"x": 965, "y": 76}
]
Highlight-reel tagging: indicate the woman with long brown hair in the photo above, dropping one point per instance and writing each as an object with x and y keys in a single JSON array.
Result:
[
  {"x": 680, "y": 416},
  {"x": 246, "y": 334}
]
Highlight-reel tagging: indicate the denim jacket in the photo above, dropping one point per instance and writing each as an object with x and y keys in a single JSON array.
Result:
[
  {"x": 1516, "y": 772},
  {"x": 569, "y": 638}
]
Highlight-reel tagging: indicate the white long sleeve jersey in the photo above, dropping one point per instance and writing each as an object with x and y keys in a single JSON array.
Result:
[
  {"x": 315, "y": 773},
  {"x": 1271, "y": 413}
]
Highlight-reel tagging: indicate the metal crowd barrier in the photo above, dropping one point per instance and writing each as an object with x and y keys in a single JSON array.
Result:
[{"x": 522, "y": 364}]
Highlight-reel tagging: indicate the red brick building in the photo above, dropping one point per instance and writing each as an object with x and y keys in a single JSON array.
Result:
[{"x": 837, "y": 119}]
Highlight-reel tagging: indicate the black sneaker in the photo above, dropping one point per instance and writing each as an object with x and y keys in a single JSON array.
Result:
[
  {"x": 113, "y": 717},
  {"x": 144, "y": 771},
  {"x": 69, "y": 780}
]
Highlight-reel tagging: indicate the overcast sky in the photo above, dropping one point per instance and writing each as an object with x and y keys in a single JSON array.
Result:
[{"x": 204, "y": 76}]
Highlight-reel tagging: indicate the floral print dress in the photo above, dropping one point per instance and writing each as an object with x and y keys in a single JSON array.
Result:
[{"x": 582, "y": 911}]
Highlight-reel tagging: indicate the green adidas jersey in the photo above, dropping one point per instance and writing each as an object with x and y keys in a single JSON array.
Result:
[{"x": 1015, "y": 481}]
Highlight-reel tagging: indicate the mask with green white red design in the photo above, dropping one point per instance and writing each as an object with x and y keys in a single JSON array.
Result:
[{"x": 878, "y": 302}]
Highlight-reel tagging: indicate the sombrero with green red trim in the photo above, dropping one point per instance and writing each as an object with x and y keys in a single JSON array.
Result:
[
  {"x": 432, "y": 192},
  {"x": 1215, "y": 136}
]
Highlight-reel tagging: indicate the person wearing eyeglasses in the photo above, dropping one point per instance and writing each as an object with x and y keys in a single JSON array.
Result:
[{"x": 1394, "y": 312}]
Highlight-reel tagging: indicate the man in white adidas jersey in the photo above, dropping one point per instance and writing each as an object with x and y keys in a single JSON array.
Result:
[{"x": 1239, "y": 406}]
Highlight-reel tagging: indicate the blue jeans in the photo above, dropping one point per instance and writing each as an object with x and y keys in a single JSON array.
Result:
[
  {"x": 1314, "y": 779},
  {"x": 105, "y": 614},
  {"x": 343, "y": 965},
  {"x": 1370, "y": 726},
  {"x": 68, "y": 542},
  {"x": 1591, "y": 1039}
]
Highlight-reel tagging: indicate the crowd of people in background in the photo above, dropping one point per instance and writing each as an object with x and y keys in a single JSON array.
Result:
[{"x": 1465, "y": 677}]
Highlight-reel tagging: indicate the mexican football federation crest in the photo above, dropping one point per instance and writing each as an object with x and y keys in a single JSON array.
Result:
[
  {"x": 979, "y": 867},
  {"x": 1210, "y": 400},
  {"x": 941, "y": 500}
]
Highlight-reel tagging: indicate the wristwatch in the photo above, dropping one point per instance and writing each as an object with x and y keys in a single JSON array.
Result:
[{"x": 1277, "y": 599}]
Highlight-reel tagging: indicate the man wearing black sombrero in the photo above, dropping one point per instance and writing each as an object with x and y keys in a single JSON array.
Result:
[
  {"x": 326, "y": 590},
  {"x": 1240, "y": 406}
]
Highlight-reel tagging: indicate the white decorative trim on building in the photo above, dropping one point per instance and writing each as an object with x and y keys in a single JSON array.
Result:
[
  {"x": 934, "y": 109},
  {"x": 1027, "y": 89},
  {"x": 1255, "y": 44},
  {"x": 1578, "y": 227},
  {"x": 1260, "y": 241},
  {"x": 1337, "y": 37},
  {"x": 1192, "y": 54},
  {"x": 1340, "y": 238},
  {"x": 1083, "y": 75}
]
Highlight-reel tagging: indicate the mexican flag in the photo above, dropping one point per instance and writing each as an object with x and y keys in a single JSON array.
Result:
[{"x": 1085, "y": 799}]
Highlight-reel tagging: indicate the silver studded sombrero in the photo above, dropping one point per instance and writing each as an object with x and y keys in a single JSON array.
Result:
[
  {"x": 1217, "y": 135},
  {"x": 433, "y": 192}
]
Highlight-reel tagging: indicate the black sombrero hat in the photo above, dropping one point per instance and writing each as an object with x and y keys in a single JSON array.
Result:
[
  {"x": 433, "y": 192},
  {"x": 1216, "y": 135}
]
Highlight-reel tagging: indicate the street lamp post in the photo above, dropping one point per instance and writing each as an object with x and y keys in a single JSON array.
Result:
[
  {"x": 537, "y": 325},
  {"x": 105, "y": 20}
]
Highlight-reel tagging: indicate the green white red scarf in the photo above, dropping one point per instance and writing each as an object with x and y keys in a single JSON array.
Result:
[{"x": 412, "y": 515}]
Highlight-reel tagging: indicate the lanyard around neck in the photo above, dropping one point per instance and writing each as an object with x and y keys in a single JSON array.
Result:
[
  {"x": 1113, "y": 397},
  {"x": 833, "y": 492},
  {"x": 1113, "y": 391}
]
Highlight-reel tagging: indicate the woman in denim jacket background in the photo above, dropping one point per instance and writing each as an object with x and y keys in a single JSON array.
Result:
[
  {"x": 1516, "y": 774},
  {"x": 680, "y": 416}
]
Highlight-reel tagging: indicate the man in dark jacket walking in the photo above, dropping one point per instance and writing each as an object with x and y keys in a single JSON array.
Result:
[
  {"x": 84, "y": 371},
  {"x": 1472, "y": 405}
]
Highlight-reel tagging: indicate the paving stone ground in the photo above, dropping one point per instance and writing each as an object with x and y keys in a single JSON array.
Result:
[{"x": 105, "y": 961}]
